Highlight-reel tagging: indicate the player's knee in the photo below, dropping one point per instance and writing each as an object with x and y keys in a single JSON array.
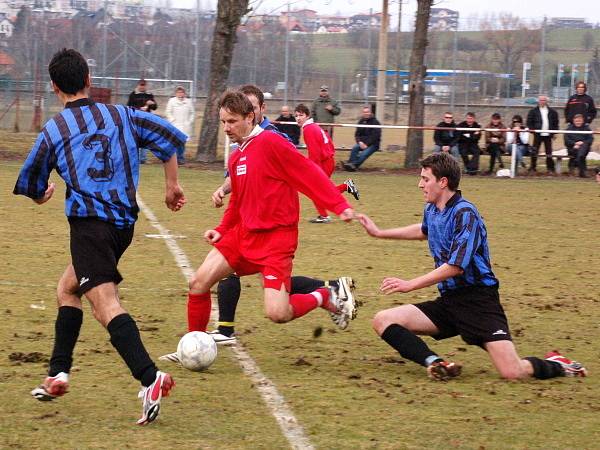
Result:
[
  {"x": 196, "y": 284},
  {"x": 278, "y": 316},
  {"x": 381, "y": 321}
]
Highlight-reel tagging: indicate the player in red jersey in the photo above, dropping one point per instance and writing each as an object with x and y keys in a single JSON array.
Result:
[
  {"x": 259, "y": 230},
  {"x": 321, "y": 151}
]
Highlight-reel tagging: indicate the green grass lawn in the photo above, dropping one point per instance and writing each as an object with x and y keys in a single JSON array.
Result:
[{"x": 347, "y": 389}]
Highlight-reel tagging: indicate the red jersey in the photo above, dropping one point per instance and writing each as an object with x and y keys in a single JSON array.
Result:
[
  {"x": 266, "y": 174},
  {"x": 318, "y": 143}
]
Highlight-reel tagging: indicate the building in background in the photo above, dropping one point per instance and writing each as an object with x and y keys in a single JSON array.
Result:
[{"x": 443, "y": 19}]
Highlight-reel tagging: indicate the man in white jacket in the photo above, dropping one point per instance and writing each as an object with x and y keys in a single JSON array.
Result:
[{"x": 180, "y": 112}]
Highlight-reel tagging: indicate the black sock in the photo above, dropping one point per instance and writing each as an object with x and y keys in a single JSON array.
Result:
[
  {"x": 305, "y": 285},
  {"x": 125, "y": 337},
  {"x": 66, "y": 331},
  {"x": 408, "y": 344},
  {"x": 543, "y": 369},
  {"x": 228, "y": 296}
]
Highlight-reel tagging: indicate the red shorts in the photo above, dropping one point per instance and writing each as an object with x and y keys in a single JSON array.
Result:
[{"x": 267, "y": 252}]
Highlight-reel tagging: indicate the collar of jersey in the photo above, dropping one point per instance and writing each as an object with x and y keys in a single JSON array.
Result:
[
  {"x": 308, "y": 122},
  {"x": 255, "y": 132},
  {"x": 79, "y": 102}
]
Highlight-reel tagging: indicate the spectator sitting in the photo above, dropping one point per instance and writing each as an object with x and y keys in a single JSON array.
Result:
[
  {"x": 368, "y": 141},
  {"x": 495, "y": 141},
  {"x": 446, "y": 140},
  {"x": 578, "y": 145},
  {"x": 468, "y": 144},
  {"x": 597, "y": 170},
  {"x": 292, "y": 130},
  {"x": 519, "y": 136}
]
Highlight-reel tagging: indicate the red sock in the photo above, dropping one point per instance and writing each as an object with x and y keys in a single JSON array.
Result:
[
  {"x": 325, "y": 294},
  {"x": 198, "y": 309},
  {"x": 302, "y": 304},
  {"x": 342, "y": 187}
]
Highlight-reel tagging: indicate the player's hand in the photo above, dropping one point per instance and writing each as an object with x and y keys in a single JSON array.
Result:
[
  {"x": 212, "y": 236},
  {"x": 391, "y": 285},
  {"x": 368, "y": 225},
  {"x": 218, "y": 196},
  {"x": 347, "y": 215},
  {"x": 174, "y": 199},
  {"x": 47, "y": 195}
]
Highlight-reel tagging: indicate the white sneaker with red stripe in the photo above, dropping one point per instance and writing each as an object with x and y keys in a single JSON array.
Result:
[
  {"x": 152, "y": 395},
  {"x": 52, "y": 387},
  {"x": 571, "y": 368}
]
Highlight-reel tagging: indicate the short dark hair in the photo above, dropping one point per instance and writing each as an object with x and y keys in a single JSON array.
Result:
[
  {"x": 580, "y": 83},
  {"x": 470, "y": 114},
  {"x": 517, "y": 118},
  {"x": 250, "y": 89},
  {"x": 443, "y": 165},
  {"x": 302, "y": 108},
  {"x": 69, "y": 71},
  {"x": 597, "y": 170},
  {"x": 496, "y": 116},
  {"x": 236, "y": 102}
]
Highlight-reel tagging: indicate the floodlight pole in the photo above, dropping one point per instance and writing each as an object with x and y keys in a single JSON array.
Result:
[
  {"x": 369, "y": 40},
  {"x": 194, "y": 92},
  {"x": 542, "y": 54},
  {"x": 398, "y": 43},
  {"x": 104, "y": 39}
]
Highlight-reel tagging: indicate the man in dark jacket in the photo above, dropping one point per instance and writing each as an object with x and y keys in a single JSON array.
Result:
[
  {"x": 324, "y": 109},
  {"x": 468, "y": 143},
  {"x": 142, "y": 99},
  {"x": 580, "y": 103},
  {"x": 578, "y": 145},
  {"x": 542, "y": 117},
  {"x": 368, "y": 141},
  {"x": 292, "y": 130},
  {"x": 446, "y": 140}
]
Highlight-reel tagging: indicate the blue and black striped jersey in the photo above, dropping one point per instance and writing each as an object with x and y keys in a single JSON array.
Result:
[
  {"x": 94, "y": 149},
  {"x": 457, "y": 236}
]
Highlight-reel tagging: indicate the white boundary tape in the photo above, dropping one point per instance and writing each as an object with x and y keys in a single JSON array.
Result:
[{"x": 283, "y": 414}]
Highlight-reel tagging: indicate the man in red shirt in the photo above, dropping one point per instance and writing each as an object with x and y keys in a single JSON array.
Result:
[
  {"x": 259, "y": 230},
  {"x": 321, "y": 151}
]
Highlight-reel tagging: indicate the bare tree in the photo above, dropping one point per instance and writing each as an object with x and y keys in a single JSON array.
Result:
[
  {"x": 229, "y": 16},
  {"x": 512, "y": 39},
  {"x": 416, "y": 85}
]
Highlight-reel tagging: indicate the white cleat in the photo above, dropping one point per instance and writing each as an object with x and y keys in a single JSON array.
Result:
[
  {"x": 171, "y": 357},
  {"x": 222, "y": 339},
  {"x": 343, "y": 299}
]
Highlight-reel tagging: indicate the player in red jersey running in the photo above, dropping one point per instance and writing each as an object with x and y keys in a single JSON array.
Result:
[
  {"x": 321, "y": 151},
  {"x": 259, "y": 230}
]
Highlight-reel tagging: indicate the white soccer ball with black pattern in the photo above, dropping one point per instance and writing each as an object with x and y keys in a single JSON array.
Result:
[{"x": 197, "y": 351}]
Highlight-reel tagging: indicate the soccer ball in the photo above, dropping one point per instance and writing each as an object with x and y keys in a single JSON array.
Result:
[{"x": 196, "y": 351}]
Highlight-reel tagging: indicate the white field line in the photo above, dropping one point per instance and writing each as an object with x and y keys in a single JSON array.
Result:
[{"x": 286, "y": 420}]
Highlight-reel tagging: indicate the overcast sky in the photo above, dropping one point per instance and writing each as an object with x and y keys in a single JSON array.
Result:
[{"x": 535, "y": 9}]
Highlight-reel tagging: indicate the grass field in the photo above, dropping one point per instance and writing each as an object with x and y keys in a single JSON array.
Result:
[{"x": 347, "y": 389}]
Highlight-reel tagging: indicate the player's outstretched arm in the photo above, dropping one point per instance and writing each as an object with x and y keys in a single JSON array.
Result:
[
  {"x": 347, "y": 215},
  {"x": 47, "y": 195},
  {"x": 410, "y": 232},
  {"x": 174, "y": 197},
  {"x": 445, "y": 271}
]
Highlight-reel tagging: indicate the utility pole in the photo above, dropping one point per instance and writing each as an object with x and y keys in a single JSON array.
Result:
[
  {"x": 454, "y": 51},
  {"x": 370, "y": 43},
  {"x": 104, "y": 38},
  {"x": 287, "y": 55},
  {"x": 194, "y": 92},
  {"x": 398, "y": 43},
  {"x": 542, "y": 55},
  {"x": 382, "y": 62}
]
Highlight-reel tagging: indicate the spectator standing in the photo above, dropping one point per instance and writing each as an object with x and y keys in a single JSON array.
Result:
[
  {"x": 495, "y": 141},
  {"x": 520, "y": 136},
  {"x": 180, "y": 112},
  {"x": 143, "y": 100},
  {"x": 468, "y": 144},
  {"x": 324, "y": 109},
  {"x": 368, "y": 141},
  {"x": 580, "y": 103},
  {"x": 292, "y": 130},
  {"x": 446, "y": 140},
  {"x": 578, "y": 145},
  {"x": 542, "y": 117}
]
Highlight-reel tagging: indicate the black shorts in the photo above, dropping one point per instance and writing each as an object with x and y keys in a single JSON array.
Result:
[
  {"x": 96, "y": 247},
  {"x": 474, "y": 313}
]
